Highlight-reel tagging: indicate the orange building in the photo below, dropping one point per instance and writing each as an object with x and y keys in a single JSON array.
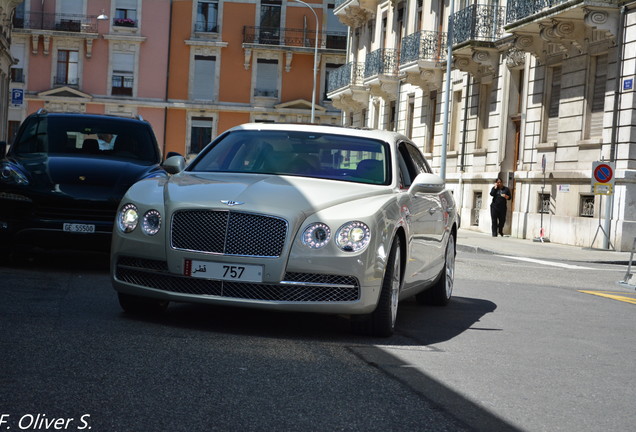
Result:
[{"x": 192, "y": 68}]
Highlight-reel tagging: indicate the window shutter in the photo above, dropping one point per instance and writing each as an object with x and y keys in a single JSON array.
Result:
[{"x": 553, "y": 107}]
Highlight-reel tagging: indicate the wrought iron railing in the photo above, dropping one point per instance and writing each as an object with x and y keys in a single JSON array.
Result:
[
  {"x": 57, "y": 21},
  {"x": 423, "y": 45},
  {"x": 383, "y": 61},
  {"x": 294, "y": 37},
  {"x": 66, "y": 81},
  {"x": 350, "y": 74},
  {"x": 478, "y": 23},
  {"x": 520, "y": 9}
]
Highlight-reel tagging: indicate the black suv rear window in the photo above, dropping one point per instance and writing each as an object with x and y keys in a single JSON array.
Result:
[{"x": 90, "y": 136}]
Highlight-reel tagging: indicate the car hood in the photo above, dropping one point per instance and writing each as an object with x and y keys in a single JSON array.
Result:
[
  {"x": 83, "y": 177},
  {"x": 285, "y": 196}
]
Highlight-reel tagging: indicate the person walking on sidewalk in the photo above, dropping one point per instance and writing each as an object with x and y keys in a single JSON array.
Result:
[{"x": 500, "y": 195}]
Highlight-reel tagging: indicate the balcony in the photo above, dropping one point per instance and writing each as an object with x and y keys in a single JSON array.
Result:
[
  {"x": 381, "y": 73},
  {"x": 354, "y": 13},
  {"x": 345, "y": 87},
  {"x": 562, "y": 27},
  {"x": 475, "y": 31},
  {"x": 294, "y": 38},
  {"x": 422, "y": 57},
  {"x": 57, "y": 22}
]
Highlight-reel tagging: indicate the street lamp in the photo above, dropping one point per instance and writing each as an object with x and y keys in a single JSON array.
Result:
[{"x": 313, "y": 93}]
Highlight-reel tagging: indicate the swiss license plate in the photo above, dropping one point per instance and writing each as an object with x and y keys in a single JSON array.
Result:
[
  {"x": 223, "y": 271},
  {"x": 79, "y": 228}
]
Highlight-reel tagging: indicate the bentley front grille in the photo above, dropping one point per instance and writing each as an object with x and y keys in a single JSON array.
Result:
[
  {"x": 228, "y": 233},
  {"x": 297, "y": 287}
]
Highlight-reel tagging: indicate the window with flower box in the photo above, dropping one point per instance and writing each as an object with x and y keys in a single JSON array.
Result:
[{"x": 125, "y": 13}]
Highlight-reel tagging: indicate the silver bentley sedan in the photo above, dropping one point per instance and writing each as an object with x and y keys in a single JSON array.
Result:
[{"x": 290, "y": 217}]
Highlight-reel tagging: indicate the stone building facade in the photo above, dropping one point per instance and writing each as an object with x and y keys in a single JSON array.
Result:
[{"x": 537, "y": 93}]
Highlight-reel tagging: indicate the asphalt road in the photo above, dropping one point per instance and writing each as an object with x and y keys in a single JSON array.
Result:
[{"x": 520, "y": 347}]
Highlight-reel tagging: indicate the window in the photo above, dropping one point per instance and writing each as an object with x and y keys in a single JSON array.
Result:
[
  {"x": 67, "y": 68},
  {"x": 455, "y": 121},
  {"x": 17, "y": 71},
  {"x": 270, "y": 22},
  {"x": 586, "y": 206},
  {"x": 200, "y": 133},
  {"x": 410, "y": 113},
  {"x": 329, "y": 67},
  {"x": 483, "y": 103},
  {"x": 552, "y": 127},
  {"x": 544, "y": 203},
  {"x": 123, "y": 74},
  {"x": 67, "y": 18},
  {"x": 207, "y": 14},
  {"x": 392, "y": 116},
  {"x": 477, "y": 199},
  {"x": 432, "y": 116},
  {"x": 266, "y": 78},
  {"x": 597, "y": 96},
  {"x": 204, "y": 74},
  {"x": 336, "y": 31},
  {"x": 125, "y": 13}
]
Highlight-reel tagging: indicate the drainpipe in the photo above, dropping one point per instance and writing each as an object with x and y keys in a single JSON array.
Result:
[
  {"x": 165, "y": 109},
  {"x": 462, "y": 157},
  {"x": 609, "y": 203}
]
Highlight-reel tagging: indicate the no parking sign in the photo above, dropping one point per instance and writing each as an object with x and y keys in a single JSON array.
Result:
[{"x": 603, "y": 177}]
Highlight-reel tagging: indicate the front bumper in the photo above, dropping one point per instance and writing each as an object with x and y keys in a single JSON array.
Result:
[{"x": 301, "y": 292}]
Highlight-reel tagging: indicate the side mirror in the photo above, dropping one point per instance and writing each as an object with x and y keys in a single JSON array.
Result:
[
  {"x": 174, "y": 164},
  {"x": 3, "y": 149},
  {"x": 427, "y": 183}
]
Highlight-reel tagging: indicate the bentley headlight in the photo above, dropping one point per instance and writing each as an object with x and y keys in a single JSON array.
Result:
[
  {"x": 151, "y": 222},
  {"x": 316, "y": 235},
  {"x": 128, "y": 218},
  {"x": 353, "y": 236},
  {"x": 12, "y": 174}
]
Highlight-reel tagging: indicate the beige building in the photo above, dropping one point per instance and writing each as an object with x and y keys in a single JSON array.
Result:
[
  {"x": 6, "y": 62},
  {"x": 537, "y": 93}
]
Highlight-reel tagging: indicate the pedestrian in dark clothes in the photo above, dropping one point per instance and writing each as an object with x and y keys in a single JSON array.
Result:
[{"x": 500, "y": 195}]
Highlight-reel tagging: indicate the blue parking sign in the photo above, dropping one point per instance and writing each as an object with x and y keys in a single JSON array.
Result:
[{"x": 17, "y": 96}]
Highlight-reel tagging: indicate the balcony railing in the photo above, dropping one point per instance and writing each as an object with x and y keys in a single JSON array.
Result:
[
  {"x": 520, "y": 9},
  {"x": 346, "y": 75},
  {"x": 294, "y": 37},
  {"x": 383, "y": 61},
  {"x": 66, "y": 81},
  {"x": 423, "y": 45},
  {"x": 478, "y": 23},
  {"x": 61, "y": 22}
]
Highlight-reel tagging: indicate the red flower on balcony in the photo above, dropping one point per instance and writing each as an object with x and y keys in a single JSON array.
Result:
[{"x": 125, "y": 22}]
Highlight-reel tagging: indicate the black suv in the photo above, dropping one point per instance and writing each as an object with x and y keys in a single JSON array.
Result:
[{"x": 62, "y": 179}]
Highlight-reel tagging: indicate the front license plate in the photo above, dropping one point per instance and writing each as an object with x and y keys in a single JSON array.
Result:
[
  {"x": 79, "y": 228},
  {"x": 223, "y": 271}
]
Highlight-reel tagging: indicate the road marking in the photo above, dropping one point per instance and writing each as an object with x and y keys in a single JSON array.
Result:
[
  {"x": 549, "y": 263},
  {"x": 620, "y": 296}
]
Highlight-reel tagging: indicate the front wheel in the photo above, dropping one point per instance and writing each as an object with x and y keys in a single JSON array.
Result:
[
  {"x": 381, "y": 322},
  {"x": 440, "y": 293}
]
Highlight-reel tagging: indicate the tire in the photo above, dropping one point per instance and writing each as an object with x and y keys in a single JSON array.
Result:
[
  {"x": 440, "y": 293},
  {"x": 135, "y": 305},
  {"x": 381, "y": 322}
]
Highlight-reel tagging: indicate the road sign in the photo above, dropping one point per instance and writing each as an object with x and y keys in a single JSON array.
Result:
[
  {"x": 17, "y": 97},
  {"x": 603, "y": 172},
  {"x": 603, "y": 177}
]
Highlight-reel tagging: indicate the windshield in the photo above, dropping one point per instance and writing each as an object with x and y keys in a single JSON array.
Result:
[
  {"x": 87, "y": 136},
  {"x": 298, "y": 153}
]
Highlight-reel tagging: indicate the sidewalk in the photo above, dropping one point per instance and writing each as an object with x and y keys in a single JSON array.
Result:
[{"x": 474, "y": 241}]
